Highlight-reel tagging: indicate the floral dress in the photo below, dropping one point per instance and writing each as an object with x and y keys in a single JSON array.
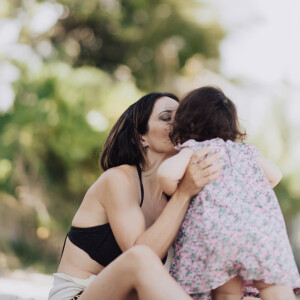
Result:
[{"x": 234, "y": 226}]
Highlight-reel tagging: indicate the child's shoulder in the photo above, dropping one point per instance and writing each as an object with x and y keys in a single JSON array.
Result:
[
  {"x": 187, "y": 144},
  {"x": 245, "y": 148},
  {"x": 218, "y": 144},
  {"x": 191, "y": 143},
  {"x": 196, "y": 145}
]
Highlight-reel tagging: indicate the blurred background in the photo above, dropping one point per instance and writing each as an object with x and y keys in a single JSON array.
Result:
[{"x": 69, "y": 68}]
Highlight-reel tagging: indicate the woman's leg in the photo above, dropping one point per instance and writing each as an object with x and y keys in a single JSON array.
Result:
[
  {"x": 231, "y": 290},
  {"x": 138, "y": 269},
  {"x": 274, "y": 292}
]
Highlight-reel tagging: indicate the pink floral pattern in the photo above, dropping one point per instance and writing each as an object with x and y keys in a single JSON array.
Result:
[{"x": 234, "y": 226}]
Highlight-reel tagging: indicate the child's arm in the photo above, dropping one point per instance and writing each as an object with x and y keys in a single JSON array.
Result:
[
  {"x": 172, "y": 170},
  {"x": 271, "y": 170}
]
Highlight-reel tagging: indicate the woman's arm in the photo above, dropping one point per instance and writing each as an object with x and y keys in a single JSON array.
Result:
[
  {"x": 161, "y": 234},
  {"x": 126, "y": 217},
  {"x": 172, "y": 170},
  {"x": 271, "y": 170}
]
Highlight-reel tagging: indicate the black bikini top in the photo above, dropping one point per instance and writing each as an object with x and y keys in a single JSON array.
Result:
[{"x": 99, "y": 241}]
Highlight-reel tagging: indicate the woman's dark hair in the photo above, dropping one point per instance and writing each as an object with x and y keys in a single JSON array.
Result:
[
  {"x": 123, "y": 143},
  {"x": 206, "y": 113}
]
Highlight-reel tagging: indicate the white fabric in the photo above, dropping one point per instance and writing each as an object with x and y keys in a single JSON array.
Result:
[
  {"x": 66, "y": 287},
  {"x": 167, "y": 264}
]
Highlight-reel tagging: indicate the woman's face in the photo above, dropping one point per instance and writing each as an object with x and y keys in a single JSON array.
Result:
[{"x": 159, "y": 126}]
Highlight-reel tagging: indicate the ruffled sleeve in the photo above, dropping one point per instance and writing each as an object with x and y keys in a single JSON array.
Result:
[{"x": 187, "y": 144}]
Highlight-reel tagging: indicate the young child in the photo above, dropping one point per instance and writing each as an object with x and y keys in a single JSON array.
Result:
[{"x": 234, "y": 229}]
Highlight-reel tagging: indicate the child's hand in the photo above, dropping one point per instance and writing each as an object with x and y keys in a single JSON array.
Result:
[{"x": 200, "y": 171}]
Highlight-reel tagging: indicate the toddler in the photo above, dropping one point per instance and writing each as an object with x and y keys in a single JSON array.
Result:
[{"x": 234, "y": 229}]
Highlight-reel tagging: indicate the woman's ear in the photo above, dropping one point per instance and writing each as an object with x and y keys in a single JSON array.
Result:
[{"x": 143, "y": 141}]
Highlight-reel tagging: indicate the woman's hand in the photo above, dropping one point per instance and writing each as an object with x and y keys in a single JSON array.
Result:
[{"x": 200, "y": 171}]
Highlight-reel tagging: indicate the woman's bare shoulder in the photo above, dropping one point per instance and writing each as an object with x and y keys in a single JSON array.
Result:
[
  {"x": 121, "y": 177},
  {"x": 122, "y": 172},
  {"x": 118, "y": 182}
]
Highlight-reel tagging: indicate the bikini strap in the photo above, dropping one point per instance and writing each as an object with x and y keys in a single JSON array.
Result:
[
  {"x": 62, "y": 251},
  {"x": 141, "y": 183}
]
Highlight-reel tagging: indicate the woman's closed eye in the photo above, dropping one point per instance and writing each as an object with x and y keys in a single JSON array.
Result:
[
  {"x": 167, "y": 115},
  {"x": 166, "y": 118}
]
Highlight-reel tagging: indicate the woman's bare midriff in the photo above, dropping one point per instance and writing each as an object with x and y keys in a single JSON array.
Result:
[{"x": 77, "y": 263}]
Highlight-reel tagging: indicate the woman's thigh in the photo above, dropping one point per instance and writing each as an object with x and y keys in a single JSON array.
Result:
[
  {"x": 137, "y": 271},
  {"x": 116, "y": 281}
]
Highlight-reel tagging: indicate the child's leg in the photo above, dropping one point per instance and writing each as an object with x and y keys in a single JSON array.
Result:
[
  {"x": 231, "y": 290},
  {"x": 274, "y": 292}
]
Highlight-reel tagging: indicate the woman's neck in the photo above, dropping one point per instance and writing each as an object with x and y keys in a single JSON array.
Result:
[{"x": 154, "y": 161}]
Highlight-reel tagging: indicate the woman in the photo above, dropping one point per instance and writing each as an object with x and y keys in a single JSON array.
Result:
[{"x": 125, "y": 210}]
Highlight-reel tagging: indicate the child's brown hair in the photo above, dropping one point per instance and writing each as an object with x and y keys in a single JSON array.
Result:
[{"x": 206, "y": 113}]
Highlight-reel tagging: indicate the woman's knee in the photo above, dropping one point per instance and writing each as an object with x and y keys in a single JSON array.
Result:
[
  {"x": 140, "y": 261},
  {"x": 142, "y": 254}
]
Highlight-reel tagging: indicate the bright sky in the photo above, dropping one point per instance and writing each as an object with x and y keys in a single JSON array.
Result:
[
  {"x": 262, "y": 48},
  {"x": 264, "y": 40}
]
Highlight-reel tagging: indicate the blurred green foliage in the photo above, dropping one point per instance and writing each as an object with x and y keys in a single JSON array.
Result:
[
  {"x": 143, "y": 35},
  {"x": 79, "y": 65}
]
